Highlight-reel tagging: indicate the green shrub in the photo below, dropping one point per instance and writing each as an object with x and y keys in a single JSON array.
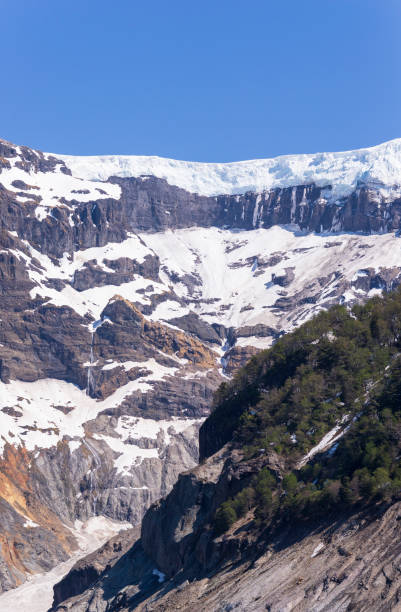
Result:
[{"x": 225, "y": 517}]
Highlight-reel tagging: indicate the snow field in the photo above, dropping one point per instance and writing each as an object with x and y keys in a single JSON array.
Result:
[
  {"x": 35, "y": 420},
  {"x": 380, "y": 165},
  {"x": 53, "y": 186},
  {"x": 36, "y": 595}
]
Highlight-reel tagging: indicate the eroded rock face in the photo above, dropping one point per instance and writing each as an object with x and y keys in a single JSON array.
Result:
[
  {"x": 154, "y": 205},
  {"x": 194, "y": 325},
  {"x": 33, "y": 535},
  {"x": 237, "y": 356},
  {"x": 124, "y": 303},
  {"x": 120, "y": 271},
  {"x": 350, "y": 560},
  {"x": 88, "y": 570},
  {"x": 74, "y": 474},
  {"x": 351, "y": 564}
]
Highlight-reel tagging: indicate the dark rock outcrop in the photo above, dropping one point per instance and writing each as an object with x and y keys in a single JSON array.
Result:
[
  {"x": 385, "y": 279},
  {"x": 86, "y": 571},
  {"x": 194, "y": 325},
  {"x": 122, "y": 271}
]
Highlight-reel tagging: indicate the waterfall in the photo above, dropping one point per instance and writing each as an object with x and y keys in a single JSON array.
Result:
[
  {"x": 293, "y": 204},
  {"x": 98, "y": 464},
  {"x": 256, "y": 210},
  {"x": 228, "y": 343},
  {"x": 89, "y": 382}
]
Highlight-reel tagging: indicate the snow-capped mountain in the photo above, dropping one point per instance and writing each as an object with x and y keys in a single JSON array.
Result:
[
  {"x": 131, "y": 287},
  {"x": 340, "y": 172}
]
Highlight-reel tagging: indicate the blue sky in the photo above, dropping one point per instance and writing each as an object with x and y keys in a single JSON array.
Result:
[{"x": 203, "y": 80}]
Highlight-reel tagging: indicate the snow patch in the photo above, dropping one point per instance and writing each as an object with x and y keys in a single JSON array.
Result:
[
  {"x": 55, "y": 189},
  {"x": 161, "y": 577},
  {"x": 157, "y": 371},
  {"x": 327, "y": 441},
  {"x": 317, "y": 550},
  {"x": 131, "y": 430},
  {"x": 30, "y": 524},
  {"x": 38, "y": 423}
]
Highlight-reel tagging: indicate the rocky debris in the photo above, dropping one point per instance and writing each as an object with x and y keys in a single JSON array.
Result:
[
  {"x": 133, "y": 571},
  {"x": 307, "y": 573},
  {"x": 311, "y": 294},
  {"x": 192, "y": 282}
]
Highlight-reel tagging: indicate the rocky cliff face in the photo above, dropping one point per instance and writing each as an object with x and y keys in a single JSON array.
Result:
[
  {"x": 125, "y": 300},
  {"x": 348, "y": 563}
]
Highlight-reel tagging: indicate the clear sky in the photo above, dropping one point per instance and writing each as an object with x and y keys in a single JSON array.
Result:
[{"x": 202, "y": 80}]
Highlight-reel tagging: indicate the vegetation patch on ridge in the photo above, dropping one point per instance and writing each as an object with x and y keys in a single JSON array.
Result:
[{"x": 338, "y": 373}]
